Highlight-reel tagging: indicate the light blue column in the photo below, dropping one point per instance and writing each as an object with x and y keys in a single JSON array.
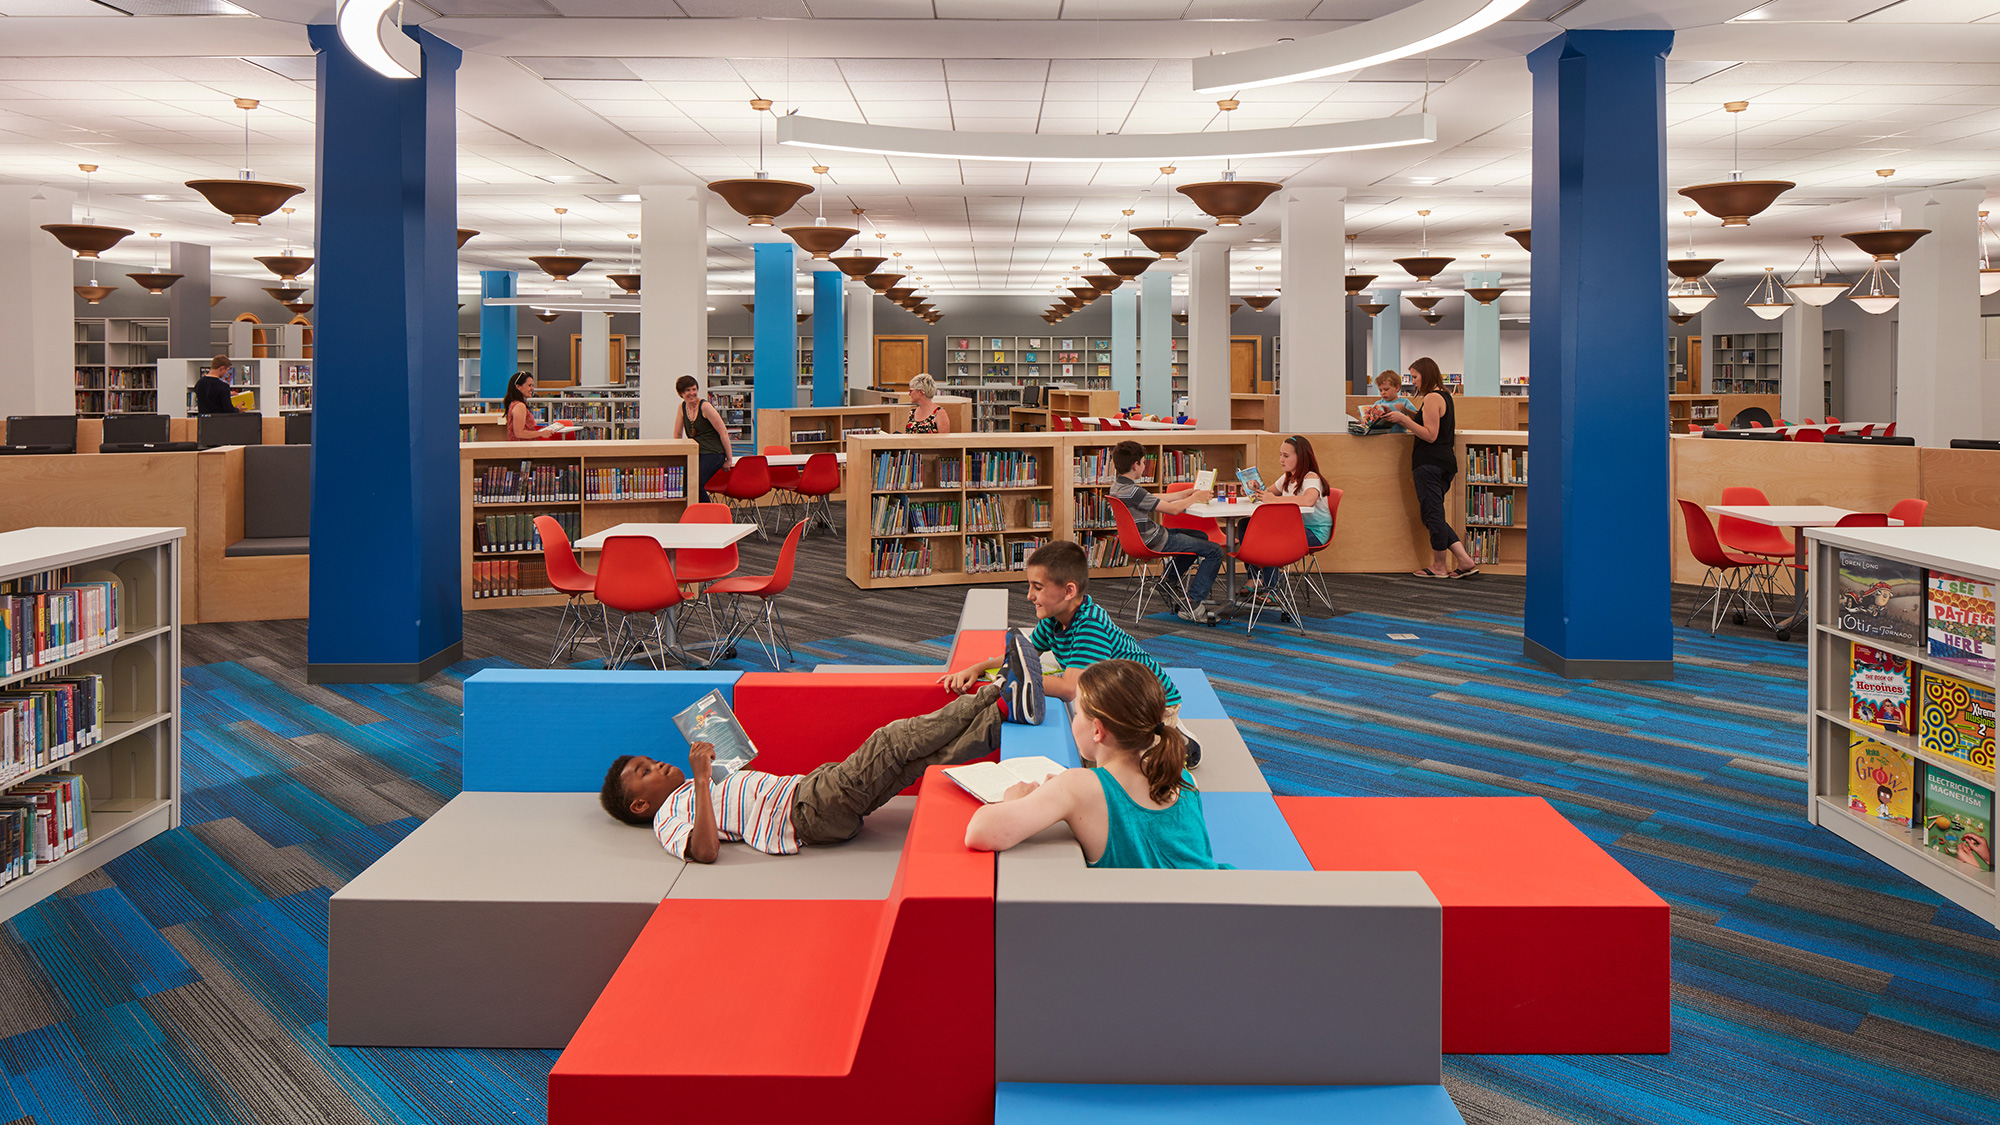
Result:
[
  {"x": 1125, "y": 342},
  {"x": 1600, "y": 295},
  {"x": 1388, "y": 333},
  {"x": 1156, "y": 342},
  {"x": 829, "y": 339},
  {"x": 499, "y": 333},
  {"x": 774, "y": 327},
  {"x": 1482, "y": 337}
]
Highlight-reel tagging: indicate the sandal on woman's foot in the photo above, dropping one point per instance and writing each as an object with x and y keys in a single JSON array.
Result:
[
  {"x": 1428, "y": 574},
  {"x": 1468, "y": 572}
]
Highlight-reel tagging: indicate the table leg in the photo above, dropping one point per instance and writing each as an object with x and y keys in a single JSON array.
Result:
[{"x": 1799, "y": 584}]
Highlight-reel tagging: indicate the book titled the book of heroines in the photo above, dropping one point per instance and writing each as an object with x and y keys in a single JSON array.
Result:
[
  {"x": 1879, "y": 689},
  {"x": 1881, "y": 598},
  {"x": 1880, "y": 780},
  {"x": 1961, "y": 620}
]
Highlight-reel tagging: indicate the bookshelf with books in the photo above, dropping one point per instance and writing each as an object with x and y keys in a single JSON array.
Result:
[
  {"x": 1177, "y": 366},
  {"x": 588, "y": 486},
  {"x": 1744, "y": 363},
  {"x": 259, "y": 378},
  {"x": 1492, "y": 497},
  {"x": 964, "y": 508},
  {"x": 603, "y": 413},
  {"x": 117, "y": 365},
  {"x": 468, "y": 348},
  {"x": 1901, "y": 682},
  {"x": 731, "y": 381},
  {"x": 90, "y": 690},
  {"x": 809, "y": 429},
  {"x": 1253, "y": 412},
  {"x": 1687, "y": 414},
  {"x": 295, "y": 383}
]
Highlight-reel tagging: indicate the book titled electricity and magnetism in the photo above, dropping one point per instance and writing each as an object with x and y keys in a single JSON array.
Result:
[{"x": 1958, "y": 820}]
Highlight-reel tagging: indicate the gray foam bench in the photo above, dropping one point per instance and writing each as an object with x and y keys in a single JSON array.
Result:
[
  {"x": 983, "y": 609},
  {"x": 1223, "y": 977},
  {"x": 499, "y": 921},
  {"x": 277, "y": 501}
]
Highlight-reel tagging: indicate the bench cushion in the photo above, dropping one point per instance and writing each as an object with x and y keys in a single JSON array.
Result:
[
  {"x": 558, "y": 729},
  {"x": 289, "y": 545},
  {"x": 983, "y": 609},
  {"x": 277, "y": 492},
  {"x": 861, "y": 868}
]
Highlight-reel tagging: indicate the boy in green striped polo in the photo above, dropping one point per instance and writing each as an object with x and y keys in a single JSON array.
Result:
[{"x": 1075, "y": 628}]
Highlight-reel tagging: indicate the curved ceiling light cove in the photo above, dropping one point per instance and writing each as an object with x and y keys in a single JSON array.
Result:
[
  {"x": 1093, "y": 148},
  {"x": 377, "y": 40},
  {"x": 1421, "y": 27}
]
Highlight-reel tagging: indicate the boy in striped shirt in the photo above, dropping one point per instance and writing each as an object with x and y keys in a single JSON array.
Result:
[{"x": 693, "y": 815}]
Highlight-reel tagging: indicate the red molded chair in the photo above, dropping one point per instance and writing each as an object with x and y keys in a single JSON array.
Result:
[
  {"x": 1200, "y": 525},
  {"x": 695, "y": 565},
  {"x": 1804, "y": 433},
  {"x": 749, "y": 481},
  {"x": 1142, "y": 555},
  {"x": 1864, "y": 519},
  {"x": 784, "y": 478},
  {"x": 1868, "y": 429},
  {"x": 1890, "y": 431},
  {"x": 634, "y": 576},
  {"x": 1832, "y": 421},
  {"x": 1754, "y": 538},
  {"x": 1722, "y": 565},
  {"x": 1911, "y": 512},
  {"x": 765, "y": 588},
  {"x": 1275, "y": 536},
  {"x": 559, "y": 559},
  {"x": 1058, "y": 423},
  {"x": 818, "y": 480},
  {"x": 1309, "y": 571}
]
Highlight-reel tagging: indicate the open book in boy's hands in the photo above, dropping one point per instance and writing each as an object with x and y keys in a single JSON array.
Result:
[
  {"x": 989, "y": 781},
  {"x": 710, "y": 720},
  {"x": 1204, "y": 481}
]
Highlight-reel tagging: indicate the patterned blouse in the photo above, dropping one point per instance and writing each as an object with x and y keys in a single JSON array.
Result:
[{"x": 927, "y": 425}]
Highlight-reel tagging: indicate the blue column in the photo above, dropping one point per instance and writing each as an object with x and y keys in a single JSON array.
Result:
[
  {"x": 1387, "y": 328},
  {"x": 1125, "y": 343},
  {"x": 1156, "y": 342},
  {"x": 829, "y": 339},
  {"x": 774, "y": 330},
  {"x": 386, "y": 525},
  {"x": 1482, "y": 337},
  {"x": 1599, "y": 548},
  {"x": 499, "y": 333}
]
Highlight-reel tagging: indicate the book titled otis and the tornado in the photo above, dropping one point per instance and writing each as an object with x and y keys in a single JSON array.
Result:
[{"x": 1881, "y": 599}]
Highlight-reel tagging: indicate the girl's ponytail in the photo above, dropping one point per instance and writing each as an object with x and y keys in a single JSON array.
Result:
[{"x": 1132, "y": 705}]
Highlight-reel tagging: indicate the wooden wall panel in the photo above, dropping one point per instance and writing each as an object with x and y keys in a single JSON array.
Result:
[
  {"x": 1377, "y": 529},
  {"x": 1963, "y": 486},
  {"x": 106, "y": 490}
]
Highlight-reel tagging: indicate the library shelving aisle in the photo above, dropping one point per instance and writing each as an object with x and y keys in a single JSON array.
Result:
[
  {"x": 587, "y": 486},
  {"x": 118, "y": 591},
  {"x": 1746, "y": 363},
  {"x": 117, "y": 365},
  {"x": 962, "y": 508},
  {"x": 1911, "y": 595},
  {"x": 1493, "y": 497}
]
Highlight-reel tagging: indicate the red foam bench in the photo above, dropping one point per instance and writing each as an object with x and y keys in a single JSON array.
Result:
[
  {"x": 729, "y": 1009},
  {"x": 801, "y": 720},
  {"x": 1550, "y": 947}
]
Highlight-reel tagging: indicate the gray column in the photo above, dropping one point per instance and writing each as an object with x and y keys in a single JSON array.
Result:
[
  {"x": 1208, "y": 336},
  {"x": 1156, "y": 340},
  {"x": 860, "y": 335},
  {"x": 673, "y": 300},
  {"x": 189, "y": 310},
  {"x": 1801, "y": 363},
  {"x": 1314, "y": 306},
  {"x": 37, "y": 308},
  {"x": 1938, "y": 365},
  {"x": 1386, "y": 332}
]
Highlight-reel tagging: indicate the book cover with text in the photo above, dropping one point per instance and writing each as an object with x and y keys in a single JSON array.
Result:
[
  {"x": 1958, "y": 820},
  {"x": 1955, "y": 718},
  {"x": 1879, "y": 689},
  {"x": 1881, "y": 598},
  {"x": 1880, "y": 780},
  {"x": 1960, "y": 620}
]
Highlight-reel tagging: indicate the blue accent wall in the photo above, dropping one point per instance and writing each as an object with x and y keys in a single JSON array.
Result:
[
  {"x": 385, "y": 514},
  {"x": 1598, "y": 538},
  {"x": 1125, "y": 342},
  {"x": 499, "y": 333},
  {"x": 829, "y": 340},
  {"x": 774, "y": 326},
  {"x": 1482, "y": 337},
  {"x": 1387, "y": 329}
]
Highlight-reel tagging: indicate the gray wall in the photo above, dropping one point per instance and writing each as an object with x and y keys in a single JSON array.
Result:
[{"x": 244, "y": 295}]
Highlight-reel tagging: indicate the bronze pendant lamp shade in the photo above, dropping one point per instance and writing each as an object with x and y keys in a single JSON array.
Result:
[
  {"x": 1167, "y": 242},
  {"x": 1424, "y": 268},
  {"x": 287, "y": 267},
  {"x": 87, "y": 238},
  {"x": 899, "y": 293},
  {"x": 1687, "y": 268},
  {"x": 1433, "y": 317},
  {"x": 1229, "y": 200},
  {"x": 820, "y": 242},
  {"x": 559, "y": 265},
  {"x": 1356, "y": 282},
  {"x": 299, "y": 307},
  {"x": 629, "y": 282},
  {"x": 547, "y": 316},
  {"x": 155, "y": 283},
  {"x": 1736, "y": 200},
  {"x": 1084, "y": 293},
  {"x": 92, "y": 294},
  {"x": 465, "y": 235},
  {"x": 1371, "y": 308},
  {"x": 1424, "y": 304},
  {"x": 880, "y": 282},
  {"x": 761, "y": 200},
  {"x": 858, "y": 265},
  {"x": 285, "y": 294},
  {"x": 1486, "y": 294},
  {"x": 1073, "y": 303},
  {"x": 247, "y": 200},
  {"x": 1104, "y": 282},
  {"x": 1126, "y": 265},
  {"x": 1884, "y": 245},
  {"x": 1680, "y": 318},
  {"x": 1180, "y": 318},
  {"x": 214, "y": 300},
  {"x": 1259, "y": 304},
  {"x": 1520, "y": 235}
]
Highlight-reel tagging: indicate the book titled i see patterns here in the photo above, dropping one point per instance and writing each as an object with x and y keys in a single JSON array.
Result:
[{"x": 1960, "y": 625}]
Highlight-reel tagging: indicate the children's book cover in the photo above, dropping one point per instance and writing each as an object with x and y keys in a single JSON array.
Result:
[
  {"x": 1955, "y": 717},
  {"x": 1881, "y": 598},
  {"x": 1961, "y": 620},
  {"x": 1880, "y": 780},
  {"x": 1879, "y": 689},
  {"x": 1958, "y": 820}
]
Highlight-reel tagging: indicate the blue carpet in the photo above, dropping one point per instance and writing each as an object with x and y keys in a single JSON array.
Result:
[{"x": 185, "y": 982}]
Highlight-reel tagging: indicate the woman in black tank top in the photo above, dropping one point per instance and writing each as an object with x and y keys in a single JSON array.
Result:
[
  {"x": 1433, "y": 463},
  {"x": 706, "y": 428}
]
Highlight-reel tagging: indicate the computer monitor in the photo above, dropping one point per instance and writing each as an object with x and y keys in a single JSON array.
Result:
[
  {"x": 136, "y": 429},
  {"x": 299, "y": 429},
  {"x": 49, "y": 433},
  {"x": 212, "y": 430}
]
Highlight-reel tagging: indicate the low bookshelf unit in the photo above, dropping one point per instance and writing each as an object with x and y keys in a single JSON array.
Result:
[{"x": 1492, "y": 493}]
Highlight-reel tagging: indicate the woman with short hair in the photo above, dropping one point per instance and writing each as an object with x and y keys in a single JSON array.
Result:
[
  {"x": 926, "y": 416},
  {"x": 697, "y": 418}
]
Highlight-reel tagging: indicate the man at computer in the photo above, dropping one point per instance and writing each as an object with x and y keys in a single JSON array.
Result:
[{"x": 212, "y": 390}]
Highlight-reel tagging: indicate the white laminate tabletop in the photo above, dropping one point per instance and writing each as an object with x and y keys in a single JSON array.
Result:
[
  {"x": 1787, "y": 515},
  {"x": 1218, "y": 511},
  {"x": 783, "y": 459},
  {"x": 1136, "y": 423},
  {"x": 674, "y": 536}
]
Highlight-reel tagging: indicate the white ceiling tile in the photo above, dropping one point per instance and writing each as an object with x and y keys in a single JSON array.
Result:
[
  {"x": 745, "y": 9},
  {"x": 996, "y": 70},
  {"x": 683, "y": 70},
  {"x": 598, "y": 91},
  {"x": 893, "y": 70}
]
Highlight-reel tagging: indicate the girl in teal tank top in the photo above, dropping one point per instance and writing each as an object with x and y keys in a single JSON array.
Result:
[{"x": 1137, "y": 807}]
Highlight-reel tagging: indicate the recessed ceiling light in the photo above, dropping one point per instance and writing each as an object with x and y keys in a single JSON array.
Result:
[
  {"x": 614, "y": 198},
  {"x": 150, "y": 198},
  {"x": 1423, "y": 179}
]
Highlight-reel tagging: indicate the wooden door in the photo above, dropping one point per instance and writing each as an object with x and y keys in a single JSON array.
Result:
[
  {"x": 1693, "y": 386},
  {"x": 1246, "y": 365},
  {"x": 899, "y": 357},
  {"x": 615, "y": 373}
]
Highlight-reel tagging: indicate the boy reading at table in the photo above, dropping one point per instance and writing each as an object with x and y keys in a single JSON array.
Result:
[{"x": 1078, "y": 631}]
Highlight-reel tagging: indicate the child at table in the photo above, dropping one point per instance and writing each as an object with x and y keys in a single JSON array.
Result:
[
  {"x": 1299, "y": 484},
  {"x": 1390, "y": 386}
]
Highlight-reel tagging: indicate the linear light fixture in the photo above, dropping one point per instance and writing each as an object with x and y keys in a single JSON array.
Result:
[
  {"x": 377, "y": 40},
  {"x": 1420, "y": 27},
  {"x": 1092, "y": 148}
]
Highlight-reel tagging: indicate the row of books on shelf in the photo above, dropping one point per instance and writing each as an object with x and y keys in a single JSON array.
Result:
[
  {"x": 295, "y": 373},
  {"x": 1496, "y": 464},
  {"x": 1483, "y": 544},
  {"x": 515, "y": 531},
  {"x": 1094, "y": 509},
  {"x": 1946, "y": 715},
  {"x": 503, "y": 484},
  {"x": 724, "y": 356},
  {"x": 1492, "y": 507},
  {"x": 993, "y": 554},
  {"x": 1003, "y": 468},
  {"x": 897, "y": 515},
  {"x": 1946, "y": 617},
  {"x": 1006, "y": 343},
  {"x": 501, "y": 578},
  {"x": 1952, "y": 815},
  {"x": 596, "y": 410},
  {"x": 637, "y": 482},
  {"x": 46, "y": 619},
  {"x": 901, "y": 558},
  {"x": 42, "y": 821},
  {"x": 295, "y": 396},
  {"x": 125, "y": 378},
  {"x": 44, "y": 721},
  {"x": 1102, "y": 550},
  {"x": 989, "y": 513}
]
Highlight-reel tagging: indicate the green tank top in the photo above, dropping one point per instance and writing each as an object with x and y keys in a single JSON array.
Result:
[{"x": 1176, "y": 836}]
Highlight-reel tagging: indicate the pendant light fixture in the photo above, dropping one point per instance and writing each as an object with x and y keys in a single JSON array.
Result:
[
  {"x": 465, "y": 235},
  {"x": 1689, "y": 292},
  {"x": 1229, "y": 199},
  {"x": 560, "y": 265},
  {"x": 247, "y": 199},
  {"x": 1127, "y": 264},
  {"x": 1355, "y": 282},
  {"x": 93, "y": 293},
  {"x": 215, "y": 299},
  {"x": 762, "y": 199},
  {"x": 1424, "y": 304},
  {"x": 1181, "y": 319},
  {"x": 287, "y": 266},
  {"x": 1485, "y": 294},
  {"x": 628, "y": 281},
  {"x": 88, "y": 238},
  {"x": 819, "y": 239},
  {"x": 286, "y": 294},
  {"x": 1433, "y": 317},
  {"x": 156, "y": 282},
  {"x": 1885, "y": 242},
  {"x": 1680, "y": 318},
  {"x": 1989, "y": 274},
  {"x": 1736, "y": 199},
  {"x": 1168, "y": 240},
  {"x": 1520, "y": 235},
  {"x": 1768, "y": 300},
  {"x": 1819, "y": 291},
  {"x": 546, "y": 316},
  {"x": 1233, "y": 306},
  {"x": 1424, "y": 266},
  {"x": 1259, "y": 302},
  {"x": 1371, "y": 308}
]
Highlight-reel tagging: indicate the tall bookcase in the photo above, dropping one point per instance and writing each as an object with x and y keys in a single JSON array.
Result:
[
  {"x": 132, "y": 774},
  {"x": 1833, "y": 369},
  {"x": 1966, "y": 552},
  {"x": 970, "y": 508},
  {"x": 1493, "y": 497},
  {"x": 117, "y": 365},
  {"x": 468, "y": 348},
  {"x": 1745, "y": 363}
]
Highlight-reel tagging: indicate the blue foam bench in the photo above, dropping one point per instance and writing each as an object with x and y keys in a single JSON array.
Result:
[
  {"x": 553, "y": 730},
  {"x": 1198, "y": 698},
  {"x": 1248, "y": 832},
  {"x": 1052, "y": 1103}
]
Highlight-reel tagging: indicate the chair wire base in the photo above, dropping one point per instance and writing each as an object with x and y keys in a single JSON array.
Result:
[
  {"x": 1282, "y": 592},
  {"x": 1171, "y": 585}
]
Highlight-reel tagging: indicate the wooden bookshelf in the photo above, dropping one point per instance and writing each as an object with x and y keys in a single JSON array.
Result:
[
  {"x": 796, "y": 428},
  {"x": 1253, "y": 412},
  {"x": 1688, "y": 414},
  {"x": 132, "y": 774},
  {"x": 941, "y": 470},
  {"x": 117, "y": 362},
  {"x": 1491, "y": 495},
  {"x": 587, "y": 514},
  {"x": 1745, "y": 363}
]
